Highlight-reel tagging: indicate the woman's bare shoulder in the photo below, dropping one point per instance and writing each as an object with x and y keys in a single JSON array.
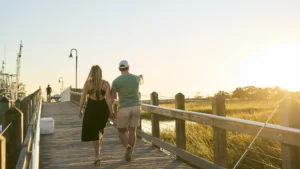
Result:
[{"x": 88, "y": 83}]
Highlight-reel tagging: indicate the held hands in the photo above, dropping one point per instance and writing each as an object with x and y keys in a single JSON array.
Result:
[
  {"x": 112, "y": 114},
  {"x": 80, "y": 114}
]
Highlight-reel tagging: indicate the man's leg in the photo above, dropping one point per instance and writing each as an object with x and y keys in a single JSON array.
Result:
[
  {"x": 132, "y": 136},
  {"x": 134, "y": 122},
  {"x": 122, "y": 136},
  {"x": 135, "y": 113},
  {"x": 122, "y": 123}
]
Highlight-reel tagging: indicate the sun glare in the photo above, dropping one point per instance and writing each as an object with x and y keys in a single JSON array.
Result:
[{"x": 272, "y": 66}]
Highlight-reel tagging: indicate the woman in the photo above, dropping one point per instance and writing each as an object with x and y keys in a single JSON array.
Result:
[{"x": 97, "y": 110}]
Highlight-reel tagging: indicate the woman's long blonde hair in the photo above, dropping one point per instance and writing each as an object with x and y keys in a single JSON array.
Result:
[{"x": 95, "y": 77}]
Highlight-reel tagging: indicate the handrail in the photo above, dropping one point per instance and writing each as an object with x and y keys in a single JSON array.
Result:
[
  {"x": 211, "y": 116},
  {"x": 230, "y": 119},
  {"x": 36, "y": 144},
  {"x": 66, "y": 89},
  {"x": 29, "y": 152}
]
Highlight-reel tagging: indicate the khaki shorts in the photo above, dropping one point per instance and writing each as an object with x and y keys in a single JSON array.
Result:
[{"x": 129, "y": 117}]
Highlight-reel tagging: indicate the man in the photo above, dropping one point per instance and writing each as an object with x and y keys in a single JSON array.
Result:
[
  {"x": 48, "y": 90},
  {"x": 128, "y": 116}
]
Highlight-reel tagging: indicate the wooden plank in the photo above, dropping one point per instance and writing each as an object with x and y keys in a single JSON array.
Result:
[
  {"x": 64, "y": 149},
  {"x": 272, "y": 132},
  {"x": 180, "y": 124},
  {"x": 24, "y": 155},
  {"x": 197, "y": 161},
  {"x": 219, "y": 134},
  {"x": 14, "y": 135},
  {"x": 289, "y": 116},
  {"x": 155, "y": 117},
  {"x": 3, "y": 152}
]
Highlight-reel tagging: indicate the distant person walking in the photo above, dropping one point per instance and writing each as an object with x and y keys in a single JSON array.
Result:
[
  {"x": 97, "y": 110},
  {"x": 128, "y": 116},
  {"x": 48, "y": 90}
]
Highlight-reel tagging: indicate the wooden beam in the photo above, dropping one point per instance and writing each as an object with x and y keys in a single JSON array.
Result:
[{"x": 270, "y": 131}]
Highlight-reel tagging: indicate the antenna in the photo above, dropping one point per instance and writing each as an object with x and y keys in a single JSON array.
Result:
[
  {"x": 21, "y": 46},
  {"x": 4, "y": 56}
]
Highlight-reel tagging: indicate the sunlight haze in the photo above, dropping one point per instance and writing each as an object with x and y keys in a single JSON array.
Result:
[{"x": 179, "y": 46}]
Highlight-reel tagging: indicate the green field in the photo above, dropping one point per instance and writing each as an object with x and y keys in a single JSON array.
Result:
[{"x": 199, "y": 137}]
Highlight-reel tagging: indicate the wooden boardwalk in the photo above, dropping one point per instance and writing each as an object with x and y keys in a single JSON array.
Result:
[{"x": 63, "y": 149}]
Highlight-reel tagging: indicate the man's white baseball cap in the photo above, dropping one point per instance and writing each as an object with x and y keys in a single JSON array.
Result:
[{"x": 123, "y": 64}]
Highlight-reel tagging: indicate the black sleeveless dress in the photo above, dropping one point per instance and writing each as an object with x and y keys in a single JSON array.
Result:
[{"x": 95, "y": 117}]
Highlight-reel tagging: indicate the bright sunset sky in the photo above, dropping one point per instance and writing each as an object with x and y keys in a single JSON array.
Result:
[{"x": 179, "y": 46}]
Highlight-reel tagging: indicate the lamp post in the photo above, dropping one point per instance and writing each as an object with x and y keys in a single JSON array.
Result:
[
  {"x": 62, "y": 83},
  {"x": 71, "y": 56}
]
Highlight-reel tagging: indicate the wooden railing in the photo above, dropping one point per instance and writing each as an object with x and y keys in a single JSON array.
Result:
[
  {"x": 287, "y": 134},
  {"x": 19, "y": 124}
]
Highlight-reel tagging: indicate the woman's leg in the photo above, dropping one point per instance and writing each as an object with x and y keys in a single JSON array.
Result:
[
  {"x": 96, "y": 148},
  {"x": 97, "y": 145},
  {"x": 100, "y": 140}
]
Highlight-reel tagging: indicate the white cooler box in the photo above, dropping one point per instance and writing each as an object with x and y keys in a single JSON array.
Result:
[{"x": 47, "y": 125}]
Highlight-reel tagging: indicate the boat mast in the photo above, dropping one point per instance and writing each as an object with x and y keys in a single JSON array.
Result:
[{"x": 18, "y": 71}]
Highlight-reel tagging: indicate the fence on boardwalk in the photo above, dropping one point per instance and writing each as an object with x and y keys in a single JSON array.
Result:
[{"x": 19, "y": 138}]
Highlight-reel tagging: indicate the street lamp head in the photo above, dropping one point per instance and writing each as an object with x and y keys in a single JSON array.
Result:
[
  {"x": 71, "y": 56},
  {"x": 59, "y": 80}
]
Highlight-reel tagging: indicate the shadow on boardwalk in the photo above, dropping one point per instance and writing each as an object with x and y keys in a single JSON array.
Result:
[{"x": 63, "y": 149}]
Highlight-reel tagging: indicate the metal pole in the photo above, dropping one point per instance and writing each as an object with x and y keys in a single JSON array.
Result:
[
  {"x": 76, "y": 68},
  {"x": 76, "y": 65}
]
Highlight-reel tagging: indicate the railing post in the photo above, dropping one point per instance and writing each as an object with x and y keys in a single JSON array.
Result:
[
  {"x": 3, "y": 152},
  {"x": 14, "y": 135},
  {"x": 4, "y": 105},
  {"x": 25, "y": 108},
  {"x": 289, "y": 116},
  {"x": 32, "y": 103},
  {"x": 219, "y": 135},
  {"x": 180, "y": 124},
  {"x": 30, "y": 106},
  {"x": 140, "y": 126},
  {"x": 155, "y": 117}
]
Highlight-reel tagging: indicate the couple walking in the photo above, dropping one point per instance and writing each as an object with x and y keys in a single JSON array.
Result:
[{"x": 99, "y": 108}]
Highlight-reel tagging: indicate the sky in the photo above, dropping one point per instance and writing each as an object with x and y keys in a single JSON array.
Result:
[{"x": 179, "y": 46}]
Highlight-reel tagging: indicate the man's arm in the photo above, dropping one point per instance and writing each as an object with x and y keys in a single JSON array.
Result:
[{"x": 141, "y": 79}]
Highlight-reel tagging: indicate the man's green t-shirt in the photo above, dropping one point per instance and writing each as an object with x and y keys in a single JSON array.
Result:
[{"x": 127, "y": 86}]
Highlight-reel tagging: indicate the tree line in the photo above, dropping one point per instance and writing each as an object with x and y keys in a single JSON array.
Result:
[{"x": 254, "y": 93}]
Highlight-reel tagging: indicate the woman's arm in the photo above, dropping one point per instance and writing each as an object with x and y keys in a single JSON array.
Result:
[
  {"x": 108, "y": 98},
  {"x": 83, "y": 96}
]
